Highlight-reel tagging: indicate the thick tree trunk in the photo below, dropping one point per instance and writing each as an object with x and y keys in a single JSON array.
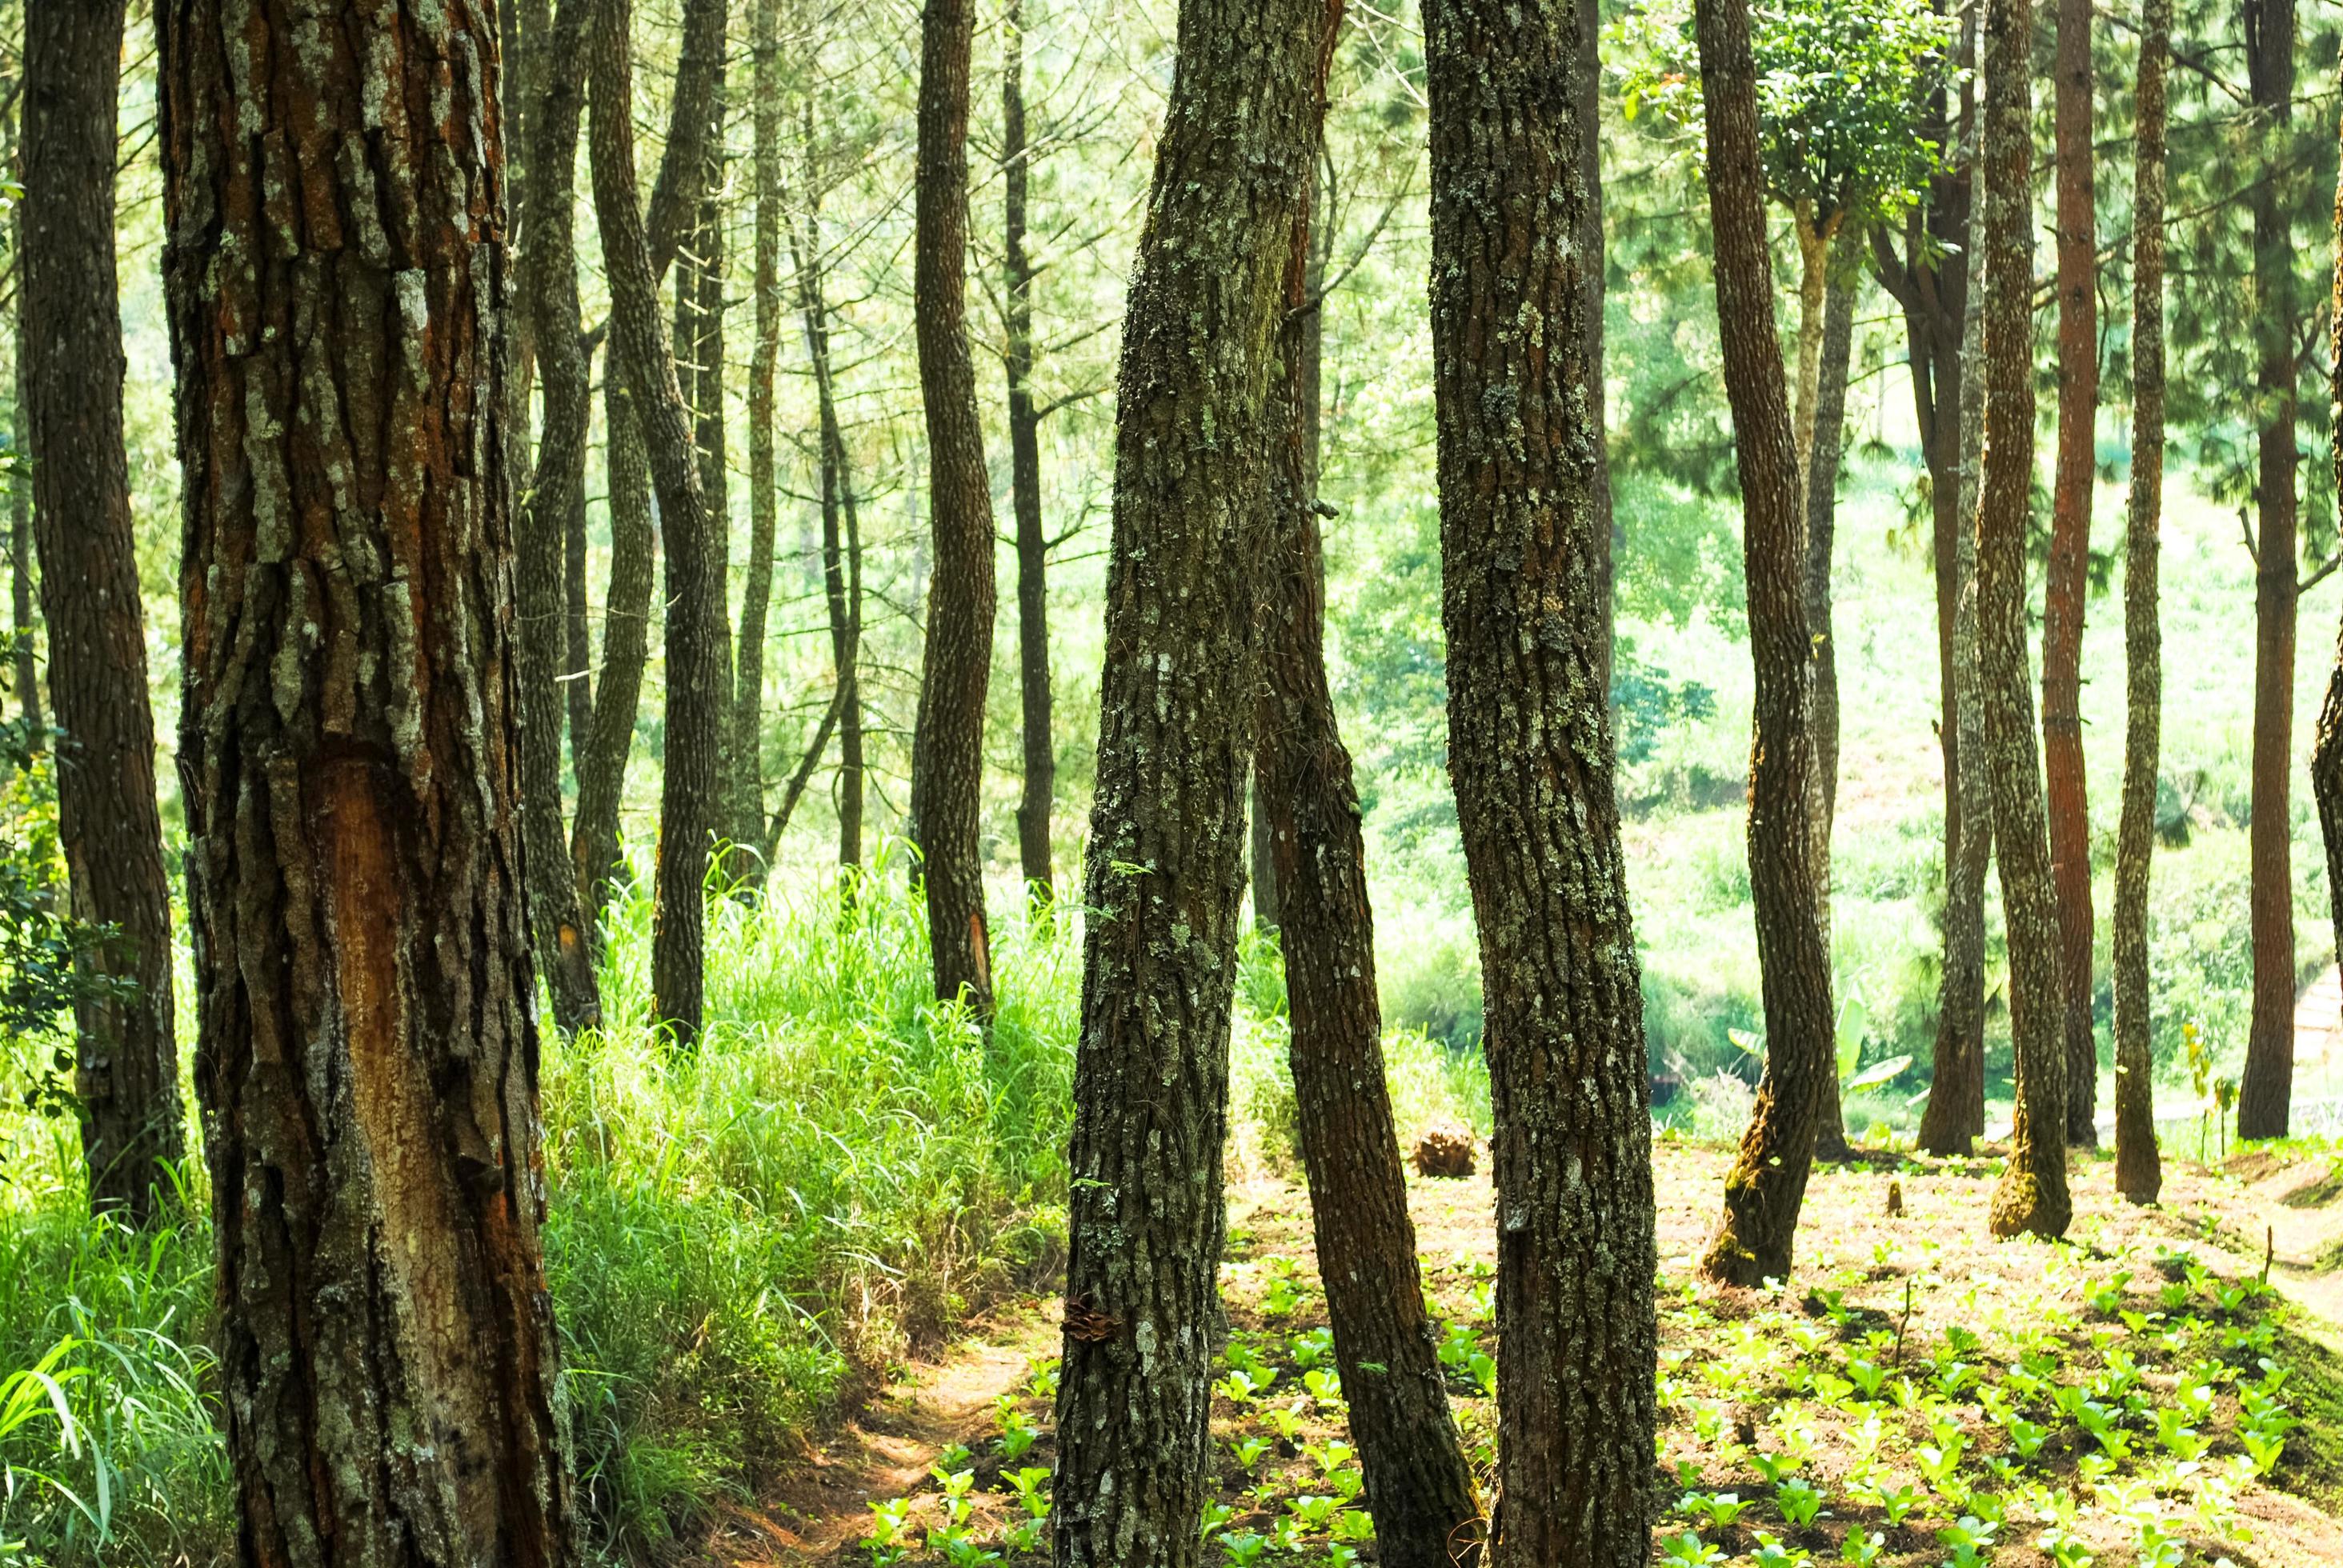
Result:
[
  {"x": 1955, "y": 1116},
  {"x": 2266, "y": 1090},
  {"x": 948, "y": 741},
  {"x": 2032, "y": 1195},
  {"x": 2070, "y": 550},
  {"x": 1530, "y": 754},
  {"x": 1166, "y": 874},
  {"x": 764, "y": 500},
  {"x": 2139, "y": 1172},
  {"x": 841, "y": 532},
  {"x": 366, "y": 1049},
  {"x": 691, "y": 781},
  {"x": 1041, "y": 781},
  {"x": 126, "y": 1059},
  {"x": 1822, "y": 456},
  {"x": 556, "y": 504},
  {"x": 1419, "y": 1487},
  {"x": 1586, "y": 100},
  {"x": 626, "y": 649},
  {"x": 1768, "y": 1181},
  {"x": 2326, "y": 752}
]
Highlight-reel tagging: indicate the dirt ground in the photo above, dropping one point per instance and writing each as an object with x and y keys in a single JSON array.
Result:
[{"x": 1928, "y": 1272}]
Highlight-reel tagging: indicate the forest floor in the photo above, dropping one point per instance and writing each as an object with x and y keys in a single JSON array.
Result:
[{"x": 2132, "y": 1396}]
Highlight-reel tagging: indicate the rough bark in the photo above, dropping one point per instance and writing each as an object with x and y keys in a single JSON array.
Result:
[
  {"x": 2032, "y": 1194},
  {"x": 1041, "y": 755},
  {"x": 690, "y": 781},
  {"x": 1530, "y": 756},
  {"x": 2266, "y": 1088},
  {"x": 2139, "y": 1172},
  {"x": 556, "y": 503},
  {"x": 1165, "y": 877},
  {"x": 2070, "y": 548},
  {"x": 764, "y": 498},
  {"x": 1955, "y": 1116},
  {"x": 626, "y": 649},
  {"x": 955, "y": 666},
  {"x": 1586, "y": 99},
  {"x": 126, "y": 1059},
  {"x": 24, "y": 657},
  {"x": 692, "y": 132},
  {"x": 1262, "y": 877},
  {"x": 841, "y": 531},
  {"x": 367, "y": 1050},
  {"x": 2327, "y": 751},
  {"x": 1419, "y": 1488},
  {"x": 699, "y": 364},
  {"x": 1821, "y": 457},
  {"x": 1767, "y": 1184}
]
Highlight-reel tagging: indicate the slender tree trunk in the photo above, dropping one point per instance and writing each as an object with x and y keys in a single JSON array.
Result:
[
  {"x": 699, "y": 308},
  {"x": 1262, "y": 877},
  {"x": 1530, "y": 756},
  {"x": 1040, "y": 783},
  {"x": 1815, "y": 240},
  {"x": 126, "y": 1066},
  {"x": 2139, "y": 1170},
  {"x": 692, "y": 780},
  {"x": 367, "y": 1045},
  {"x": 797, "y": 785},
  {"x": 2032, "y": 1195},
  {"x": 1166, "y": 873},
  {"x": 1822, "y": 457},
  {"x": 948, "y": 742},
  {"x": 1955, "y": 1116},
  {"x": 2266, "y": 1090},
  {"x": 693, "y": 134},
  {"x": 548, "y": 266},
  {"x": 23, "y": 658},
  {"x": 2070, "y": 550},
  {"x": 764, "y": 500},
  {"x": 1767, "y": 1184},
  {"x": 1419, "y": 1487},
  {"x": 626, "y": 647},
  {"x": 842, "y": 535},
  {"x": 2326, "y": 752}
]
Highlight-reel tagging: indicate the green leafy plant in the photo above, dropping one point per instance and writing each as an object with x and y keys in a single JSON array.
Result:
[{"x": 1688, "y": 1551}]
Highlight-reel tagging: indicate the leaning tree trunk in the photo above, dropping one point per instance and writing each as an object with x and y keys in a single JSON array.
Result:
[
  {"x": 1955, "y": 1116},
  {"x": 2032, "y": 1195},
  {"x": 764, "y": 498},
  {"x": 126, "y": 1059},
  {"x": 2139, "y": 1172},
  {"x": 2266, "y": 1088},
  {"x": 948, "y": 739},
  {"x": 1767, "y": 1184},
  {"x": 692, "y": 780},
  {"x": 1166, "y": 871},
  {"x": 2070, "y": 549},
  {"x": 1822, "y": 455},
  {"x": 556, "y": 503},
  {"x": 366, "y": 1046},
  {"x": 1041, "y": 754},
  {"x": 1531, "y": 756},
  {"x": 1420, "y": 1489},
  {"x": 626, "y": 649},
  {"x": 841, "y": 536}
]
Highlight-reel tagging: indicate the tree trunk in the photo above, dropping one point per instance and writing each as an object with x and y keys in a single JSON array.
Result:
[
  {"x": 1768, "y": 1181},
  {"x": 1822, "y": 457},
  {"x": 556, "y": 504},
  {"x": 1262, "y": 877},
  {"x": 1419, "y": 1487},
  {"x": 2139, "y": 1172},
  {"x": 24, "y": 659},
  {"x": 764, "y": 500},
  {"x": 2032, "y": 1195},
  {"x": 693, "y": 134},
  {"x": 1040, "y": 783},
  {"x": 126, "y": 1066},
  {"x": 1955, "y": 1116},
  {"x": 691, "y": 782},
  {"x": 626, "y": 647},
  {"x": 2070, "y": 548},
  {"x": 1530, "y": 756},
  {"x": 956, "y": 667},
  {"x": 841, "y": 533},
  {"x": 700, "y": 322},
  {"x": 366, "y": 1049},
  {"x": 2266, "y": 1090},
  {"x": 2326, "y": 752},
  {"x": 1586, "y": 99},
  {"x": 1166, "y": 874}
]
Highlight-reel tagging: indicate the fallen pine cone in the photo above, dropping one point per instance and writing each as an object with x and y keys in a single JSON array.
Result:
[{"x": 1446, "y": 1150}]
